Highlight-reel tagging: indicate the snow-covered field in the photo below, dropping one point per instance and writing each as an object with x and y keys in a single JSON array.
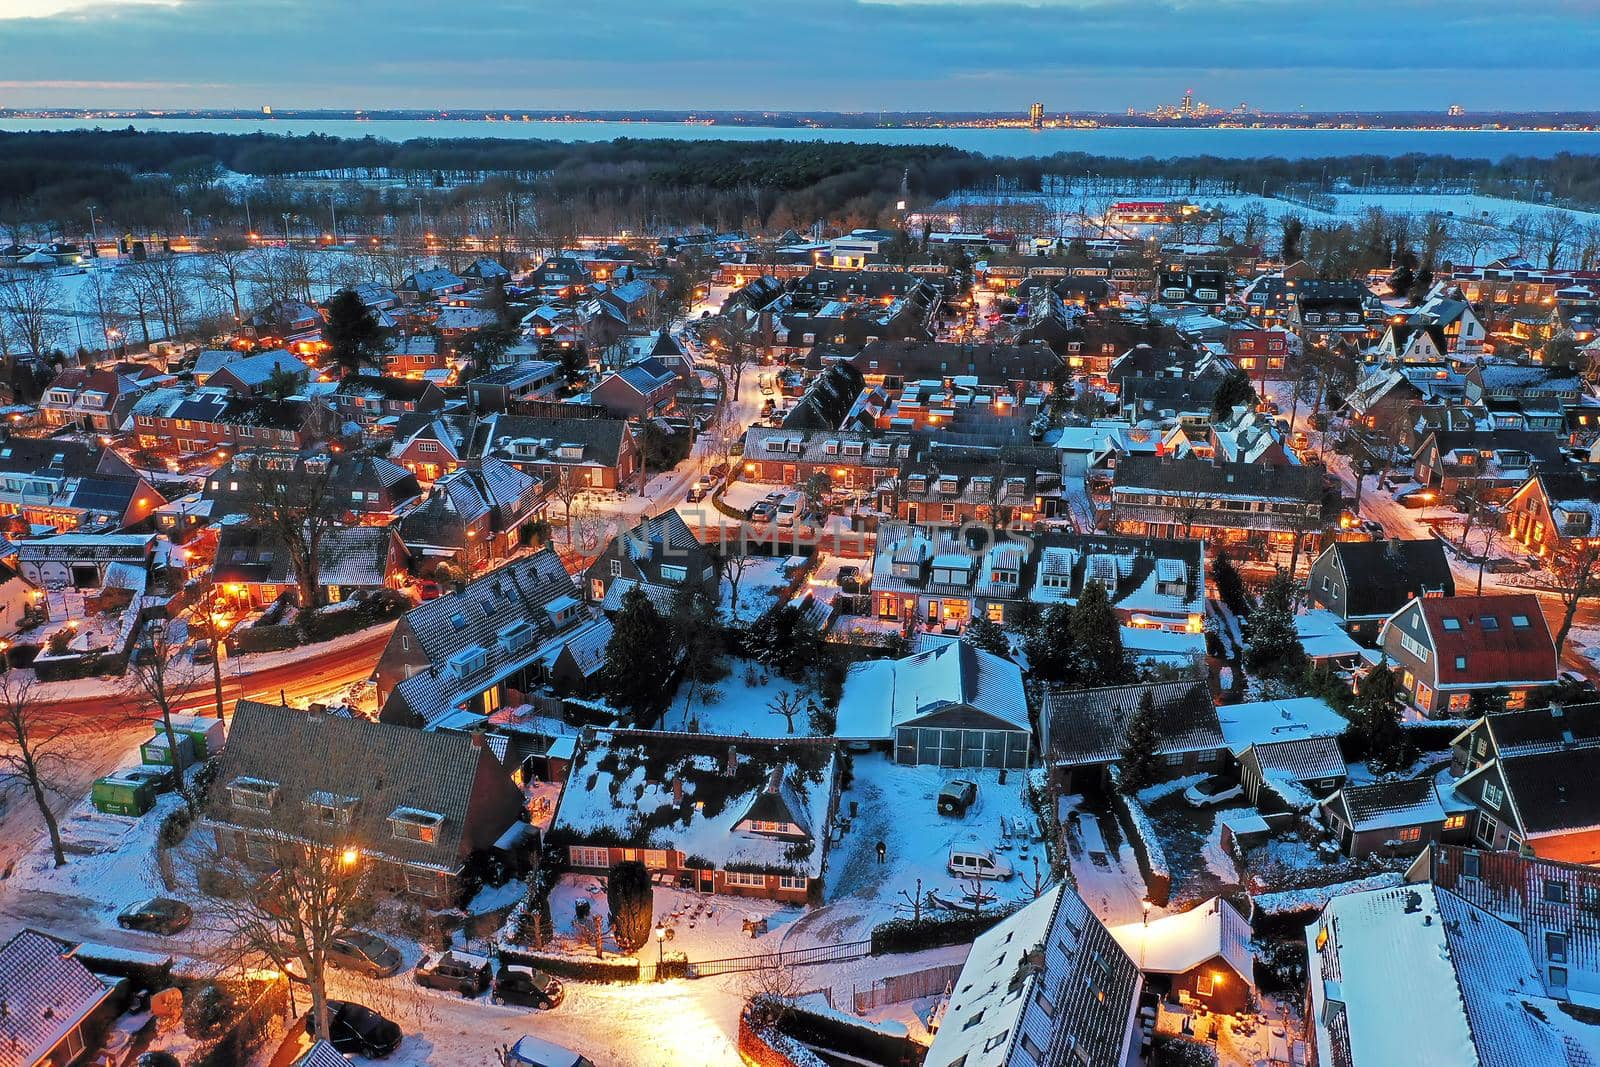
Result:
[{"x": 741, "y": 703}]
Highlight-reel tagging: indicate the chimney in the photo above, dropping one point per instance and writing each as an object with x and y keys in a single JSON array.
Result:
[
  {"x": 677, "y": 791},
  {"x": 477, "y": 739},
  {"x": 732, "y": 764}
]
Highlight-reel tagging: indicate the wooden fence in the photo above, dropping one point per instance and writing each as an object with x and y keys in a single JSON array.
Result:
[{"x": 899, "y": 988}]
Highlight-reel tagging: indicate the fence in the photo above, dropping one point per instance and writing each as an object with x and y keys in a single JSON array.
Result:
[
  {"x": 799, "y": 957},
  {"x": 899, "y": 988}
]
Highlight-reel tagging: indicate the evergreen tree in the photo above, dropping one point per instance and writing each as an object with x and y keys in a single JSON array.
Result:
[
  {"x": 639, "y": 659},
  {"x": 1230, "y": 587},
  {"x": 786, "y": 640},
  {"x": 1375, "y": 720},
  {"x": 354, "y": 337},
  {"x": 1273, "y": 651},
  {"x": 1095, "y": 653},
  {"x": 986, "y": 635},
  {"x": 697, "y": 634},
  {"x": 632, "y": 902},
  {"x": 1234, "y": 391},
  {"x": 1141, "y": 764},
  {"x": 1049, "y": 645}
]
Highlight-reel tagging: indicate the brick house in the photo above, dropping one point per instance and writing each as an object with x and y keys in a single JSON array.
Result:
[
  {"x": 212, "y": 419},
  {"x": 473, "y": 517},
  {"x": 733, "y": 815},
  {"x": 1364, "y": 582},
  {"x": 1552, "y": 509},
  {"x": 427, "y": 808},
  {"x": 1447, "y": 648},
  {"x": 847, "y": 458},
  {"x": 595, "y": 453},
  {"x": 1083, "y": 729}
]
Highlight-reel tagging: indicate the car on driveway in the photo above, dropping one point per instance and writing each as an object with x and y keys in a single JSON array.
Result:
[
  {"x": 357, "y": 1030},
  {"x": 1211, "y": 792},
  {"x": 526, "y": 987},
  {"x": 957, "y": 796},
  {"x": 203, "y": 652},
  {"x": 158, "y": 915},
  {"x": 364, "y": 953},
  {"x": 699, "y": 489},
  {"x": 460, "y": 972}
]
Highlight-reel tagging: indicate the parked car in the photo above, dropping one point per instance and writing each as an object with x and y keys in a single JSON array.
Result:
[
  {"x": 971, "y": 861},
  {"x": 368, "y": 954},
  {"x": 158, "y": 915},
  {"x": 526, "y": 987},
  {"x": 699, "y": 489},
  {"x": 850, "y": 579},
  {"x": 537, "y": 1052},
  {"x": 357, "y": 1030},
  {"x": 788, "y": 511},
  {"x": 428, "y": 589},
  {"x": 203, "y": 652},
  {"x": 461, "y": 972},
  {"x": 1416, "y": 498},
  {"x": 1211, "y": 792},
  {"x": 957, "y": 796}
]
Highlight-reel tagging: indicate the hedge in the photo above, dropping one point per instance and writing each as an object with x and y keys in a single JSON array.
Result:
[
  {"x": 936, "y": 931},
  {"x": 616, "y": 969}
]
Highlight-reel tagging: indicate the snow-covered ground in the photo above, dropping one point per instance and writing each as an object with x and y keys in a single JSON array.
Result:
[
  {"x": 741, "y": 703},
  {"x": 764, "y": 577},
  {"x": 897, "y": 805},
  {"x": 704, "y": 927}
]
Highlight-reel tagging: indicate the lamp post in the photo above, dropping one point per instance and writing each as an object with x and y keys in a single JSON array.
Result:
[
  {"x": 286, "y": 217},
  {"x": 94, "y": 232},
  {"x": 661, "y": 950}
]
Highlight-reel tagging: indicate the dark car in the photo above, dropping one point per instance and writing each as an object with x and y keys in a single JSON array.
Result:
[
  {"x": 526, "y": 987},
  {"x": 203, "y": 652},
  {"x": 158, "y": 1058},
  {"x": 158, "y": 915},
  {"x": 957, "y": 796},
  {"x": 354, "y": 1029},
  {"x": 850, "y": 579},
  {"x": 461, "y": 972},
  {"x": 357, "y": 950}
]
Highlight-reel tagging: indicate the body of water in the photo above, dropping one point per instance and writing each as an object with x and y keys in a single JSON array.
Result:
[{"x": 1120, "y": 142}]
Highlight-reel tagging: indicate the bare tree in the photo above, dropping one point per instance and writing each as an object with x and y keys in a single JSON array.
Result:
[
  {"x": 788, "y": 703},
  {"x": 321, "y": 877},
  {"x": 165, "y": 289},
  {"x": 162, "y": 675},
  {"x": 1557, "y": 230},
  {"x": 733, "y": 565},
  {"x": 1575, "y": 577},
  {"x": 295, "y": 504},
  {"x": 733, "y": 340},
  {"x": 28, "y": 311},
  {"x": 36, "y": 751},
  {"x": 225, "y": 270},
  {"x": 566, "y": 489}
]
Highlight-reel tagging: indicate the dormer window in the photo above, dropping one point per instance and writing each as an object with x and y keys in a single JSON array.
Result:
[
  {"x": 253, "y": 794},
  {"x": 330, "y": 809},
  {"x": 415, "y": 824}
]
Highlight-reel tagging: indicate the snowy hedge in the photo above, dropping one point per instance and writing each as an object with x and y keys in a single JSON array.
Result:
[
  {"x": 611, "y": 969},
  {"x": 935, "y": 931},
  {"x": 1146, "y": 845}
]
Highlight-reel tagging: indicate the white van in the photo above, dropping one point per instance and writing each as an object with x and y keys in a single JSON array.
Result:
[
  {"x": 975, "y": 862},
  {"x": 534, "y": 1052},
  {"x": 788, "y": 510}
]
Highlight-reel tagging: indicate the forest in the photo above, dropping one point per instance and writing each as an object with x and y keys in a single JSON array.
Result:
[{"x": 144, "y": 181}]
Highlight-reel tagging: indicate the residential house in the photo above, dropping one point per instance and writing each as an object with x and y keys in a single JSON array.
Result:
[
  {"x": 1480, "y": 467},
  {"x": 1274, "y": 740},
  {"x": 68, "y": 485},
  {"x": 212, "y": 419},
  {"x": 1448, "y": 648},
  {"x": 952, "y": 706},
  {"x": 373, "y": 399},
  {"x": 485, "y": 271},
  {"x": 429, "y": 448},
  {"x": 253, "y": 566},
  {"x": 505, "y": 388},
  {"x": 592, "y": 453},
  {"x": 248, "y": 375},
  {"x": 1200, "y": 956},
  {"x": 1047, "y": 985},
  {"x": 849, "y": 459},
  {"x": 415, "y": 356},
  {"x": 641, "y": 389},
  {"x": 94, "y": 398},
  {"x": 1529, "y": 782},
  {"x": 1470, "y": 990},
  {"x": 1004, "y": 495},
  {"x": 1395, "y": 817},
  {"x": 1519, "y": 381},
  {"x": 1365, "y": 582},
  {"x": 57, "y": 1009},
  {"x": 1555, "y": 509},
  {"x": 1263, "y": 354},
  {"x": 1024, "y": 370},
  {"x": 1254, "y": 510},
  {"x": 735, "y": 815},
  {"x": 660, "y": 556},
  {"x": 473, "y": 517},
  {"x": 426, "y": 809},
  {"x": 475, "y": 649},
  {"x": 361, "y": 489},
  {"x": 636, "y": 300},
  {"x": 1082, "y": 730},
  {"x": 430, "y": 284}
]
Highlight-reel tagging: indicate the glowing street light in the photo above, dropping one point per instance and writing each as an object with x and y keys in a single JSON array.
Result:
[{"x": 349, "y": 857}]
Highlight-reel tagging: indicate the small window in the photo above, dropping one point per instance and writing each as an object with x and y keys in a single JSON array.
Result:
[
  {"x": 996, "y": 1041},
  {"x": 1489, "y": 622},
  {"x": 1555, "y": 947},
  {"x": 1461, "y": 663},
  {"x": 1205, "y": 984},
  {"x": 1451, "y": 623},
  {"x": 1558, "y": 977},
  {"x": 1555, "y": 892},
  {"x": 1519, "y": 622},
  {"x": 1411, "y": 833},
  {"x": 1492, "y": 795},
  {"x": 1455, "y": 822},
  {"x": 616, "y": 568}
]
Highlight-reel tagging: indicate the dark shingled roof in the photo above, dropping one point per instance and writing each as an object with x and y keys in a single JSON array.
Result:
[
  {"x": 1380, "y": 576},
  {"x": 1554, "y": 791},
  {"x": 1086, "y": 726}
]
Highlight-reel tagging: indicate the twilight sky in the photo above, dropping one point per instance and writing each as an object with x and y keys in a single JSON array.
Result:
[{"x": 848, "y": 55}]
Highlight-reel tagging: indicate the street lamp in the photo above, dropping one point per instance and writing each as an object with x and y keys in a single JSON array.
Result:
[
  {"x": 286, "y": 217},
  {"x": 661, "y": 950},
  {"x": 349, "y": 857}
]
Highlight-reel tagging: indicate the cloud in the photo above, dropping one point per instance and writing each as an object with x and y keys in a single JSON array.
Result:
[{"x": 43, "y": 9}]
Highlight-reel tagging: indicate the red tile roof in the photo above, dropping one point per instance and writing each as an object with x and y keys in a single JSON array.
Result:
[{"x": 1504, "y": 638}]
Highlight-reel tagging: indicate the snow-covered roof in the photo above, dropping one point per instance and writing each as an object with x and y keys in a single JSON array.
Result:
[
  {"x": 881, "y": 695},
  {"x": 1323, "y": 635},
  {"x": 1415, "y": 974},
  {"x": 1057, "y": 946},
  {"x": 1264, "y": 721},
  {"x": 46, "y": 994},
  {"x": 1174, "y": 944}
]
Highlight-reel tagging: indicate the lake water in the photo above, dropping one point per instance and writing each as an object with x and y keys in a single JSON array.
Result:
[{"x": 1120, "y": 142}]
